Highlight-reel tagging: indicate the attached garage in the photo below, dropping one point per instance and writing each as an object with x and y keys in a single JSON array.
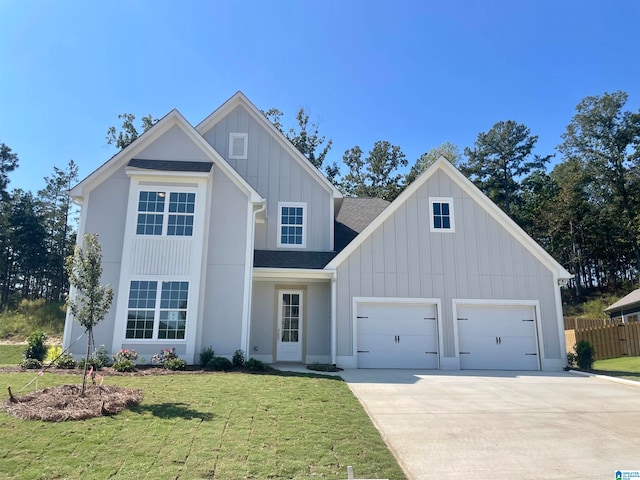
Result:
[
  {"x": 498, "y": 337},
  {"x": 395, "y": 334}
]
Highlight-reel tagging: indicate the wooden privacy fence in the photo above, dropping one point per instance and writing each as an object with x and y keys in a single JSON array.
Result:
[
  {"x": 609, "y": 341},
  {"x": 572, "y": 323}
]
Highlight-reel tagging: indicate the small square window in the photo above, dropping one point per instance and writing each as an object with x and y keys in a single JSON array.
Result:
[
  {"x": 441, "y": 215},
  {"x": 238, "y": 146}
]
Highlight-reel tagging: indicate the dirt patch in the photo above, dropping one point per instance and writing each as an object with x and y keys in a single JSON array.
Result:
[{"x": 58, "y": 404}]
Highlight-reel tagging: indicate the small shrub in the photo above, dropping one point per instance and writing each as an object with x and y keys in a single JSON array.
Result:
[
  {"x": 124, "y": 365},
  {"x": 175, "y": 364},
  {"x": 256, "y": 365},
  {"x": 125, "y": 354},
  {"x": 31, "y": 363},
  {"x": 36, "y": 348},
  {"x": 220, "y": 364},
  {"x": 205, "y": 355},
  {"x": 101, "y": 354},
  {"x": 585, "y": 355},
  {"x": 52, "y": 354},
  {"x": 164, "y": 355},
  {"x": 66, "y": 361},
  {"x": 238, "y": 358},
  {"x": 93, "y": 362},
  {"x": 572, "y": 359}
]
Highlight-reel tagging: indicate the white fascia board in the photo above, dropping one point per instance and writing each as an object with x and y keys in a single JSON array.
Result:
[
  {"x": 474, "y": 192},
  {"x": 265, "y": 273},
  {"x": 173, "y": 118},
  {"x": 239, "y": 98}
]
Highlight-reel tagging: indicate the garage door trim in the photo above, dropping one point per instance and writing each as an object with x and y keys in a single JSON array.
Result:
[
  {"x": 401, "y": 301},
  {"x": 498, "y": 302}
]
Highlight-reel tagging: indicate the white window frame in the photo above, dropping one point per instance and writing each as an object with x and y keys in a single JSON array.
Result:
[
  {"x": 452, "y": 224},
  {"x": 302, "y": 205},
  {"x": 245, "y": 142},
  {"x": 166, "y": 213}
]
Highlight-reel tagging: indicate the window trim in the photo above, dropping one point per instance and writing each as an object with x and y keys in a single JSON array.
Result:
[
  {"x": 302, "y": 205},
  {"x": 452, "y": 224},
  {"x": 245, "y": 143},
  {"x": 157, "y": 311},
  {"x": 166, "y": 213}
]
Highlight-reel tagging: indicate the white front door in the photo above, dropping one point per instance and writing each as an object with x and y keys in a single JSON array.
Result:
[{"x": 289, "y": 344}]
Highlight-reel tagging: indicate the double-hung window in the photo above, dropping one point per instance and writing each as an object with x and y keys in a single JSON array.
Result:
[
  {"x": 157, "y": 313},
  {"x": 168, "y": 213},
  {"x": 292, "y": 224},
  {"x": 441, "y": 214}
]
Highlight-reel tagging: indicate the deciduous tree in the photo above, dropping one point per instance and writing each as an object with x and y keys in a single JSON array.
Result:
[
  {"x": 447, "y": 150},
  {"x": 128, "y": 131}
]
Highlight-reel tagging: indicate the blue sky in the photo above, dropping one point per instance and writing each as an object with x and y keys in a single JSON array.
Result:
[{"x": 415, "y": 73}]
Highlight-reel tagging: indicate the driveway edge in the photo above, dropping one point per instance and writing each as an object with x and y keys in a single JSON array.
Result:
[{"x": 633, "y": 383}]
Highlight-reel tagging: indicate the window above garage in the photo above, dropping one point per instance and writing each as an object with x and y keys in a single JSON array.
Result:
[{"x": 441, "y": 216}]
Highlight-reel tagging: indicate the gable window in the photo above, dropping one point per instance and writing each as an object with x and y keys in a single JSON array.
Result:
[
  {"x": 238, "y": 146},
  {"x": 154, "y": 314},
  {"x": 441, "y": 214},
  {"x": 291, "y": 225},
  {"x": 156, "y": 216}
]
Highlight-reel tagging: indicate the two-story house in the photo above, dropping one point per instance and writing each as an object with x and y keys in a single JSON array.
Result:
[{"x": 224, "y": 235}]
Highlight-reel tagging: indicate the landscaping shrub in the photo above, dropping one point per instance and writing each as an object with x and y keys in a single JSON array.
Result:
[
  {"x": 53, "y": 353},
  {"x": 175, "y": 364},
  {"x": 572, "y": 359},
  {"x": 256, "y": 365},
  {"x": 125, "y": 354},
  {"x": 93, "y": 362},
  {"x": 31, "y": 363},
  {"x": 206, "y": 355},
  {"x": 65, "y": 361},
  {"x": 102, "y": 355},
  {"x": 36, "y": 347},
  {"x": 238, "y": 358},
  {"x": 220, "y": 364},
  {"x": 585, "y": 355},
  {"x": 124, "y": 365}
]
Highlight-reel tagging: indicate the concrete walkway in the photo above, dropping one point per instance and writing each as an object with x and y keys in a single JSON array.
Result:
[{"x": 503, "y": 425}]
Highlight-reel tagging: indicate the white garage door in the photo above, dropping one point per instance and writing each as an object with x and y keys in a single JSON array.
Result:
[
  {"x": 497, "y": 337},
  {"x": 397, "y": 335}
]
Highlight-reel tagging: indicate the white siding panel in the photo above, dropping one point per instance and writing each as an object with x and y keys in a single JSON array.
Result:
[{"x": 161, "y": 256}]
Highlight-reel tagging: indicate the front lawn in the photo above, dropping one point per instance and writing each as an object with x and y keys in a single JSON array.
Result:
[
  {"x": 625, "y": 367},
  {"x": 227, "y": 426},
  {"x": 11, "y": 354}
]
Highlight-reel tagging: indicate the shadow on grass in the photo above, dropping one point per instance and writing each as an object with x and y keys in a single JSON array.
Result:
[
  {"x": 310, "y": 374},
  {"x": 614, "y": 373},
  {"x": 172, "y": 410}
]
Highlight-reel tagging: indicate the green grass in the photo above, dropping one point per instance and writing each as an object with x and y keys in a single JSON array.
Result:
[
  {"x": 625, "y": 367},
  {"x": 227, "y": 426},
  {"x": 32, "y": 315},
  {"x": 11, "y": 354}
]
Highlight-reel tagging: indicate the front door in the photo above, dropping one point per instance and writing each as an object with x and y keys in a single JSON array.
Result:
[{"x": 289, "y": 345}]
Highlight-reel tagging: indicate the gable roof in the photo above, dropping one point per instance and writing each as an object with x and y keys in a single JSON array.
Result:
[
  {"x": 173, "y": 118},
  {"x": 633, "y": 299},
  {"x": 354, "y": 216},
  {"x": 474, "y": 192},
  {"x": 239, "y": 98}
]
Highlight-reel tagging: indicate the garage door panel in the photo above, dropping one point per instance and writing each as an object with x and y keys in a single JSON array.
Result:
[
  {"x": 497, "y": 337},
  {"x": 397, "y": 335}
]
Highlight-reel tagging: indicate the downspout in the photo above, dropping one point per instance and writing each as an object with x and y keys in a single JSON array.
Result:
[
  {"x": 334, "y": 319},
  {"x": 249, "y": 289}
]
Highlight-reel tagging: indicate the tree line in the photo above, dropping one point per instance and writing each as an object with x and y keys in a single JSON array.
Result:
[{"x": 584, "y": 211}]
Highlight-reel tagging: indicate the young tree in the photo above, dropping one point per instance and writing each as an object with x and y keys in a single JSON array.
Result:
[
  {"x": 447, "y": 150},
  {"x": 128, "y": 132},
  {"x": 499, "y": 159},
  {"x": 376, "y": 175},
  {"x": 91, "y": 301},
  {"x": 8, "y": 163}
]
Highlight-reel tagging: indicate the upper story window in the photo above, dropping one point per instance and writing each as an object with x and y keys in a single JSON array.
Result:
[
  {"x": 157, "y": 216},
  {"x": 292, "y": 225},
  {"x": 238, "y": 146},
  {"x": 441, "y": 214}
]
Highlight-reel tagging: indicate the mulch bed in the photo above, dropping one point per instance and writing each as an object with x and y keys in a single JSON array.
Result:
[{"x": 58, "y": 404}]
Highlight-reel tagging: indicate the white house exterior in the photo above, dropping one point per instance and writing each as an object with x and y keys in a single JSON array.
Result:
[{"x": 224, "y": 235}]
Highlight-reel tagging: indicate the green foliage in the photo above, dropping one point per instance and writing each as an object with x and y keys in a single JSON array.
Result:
[
  {"x": 102, "y": 355},
  {"x": 206, "y": 355},
  {"x": 572, "y": 359},
  {"x": 124, "y": 365},
  {"x": 255, "y": 365},
  {"x": 238, "y": 358},
  {"x": 585, "y": 355},
  {"x": 31, "y": 315},
  {"x": 164, "y": 355},
  {"x": 128, "y": 132},
  {"x": 219, "y": 364},
  {"x": 174, "y": 364},
  {"x": 93, "y": 362},
  {"x": 53, "y": 352},
  {"x": 31, "y": 363},
  {"x": 447, "y": 150},
  {"x": 36, "y": 347},
  {"x": 125, "y": 354},
  {"x": 11, "y": 354},
  {"x": 8, "y": 163},
  {"x": 65, "y": 361}
]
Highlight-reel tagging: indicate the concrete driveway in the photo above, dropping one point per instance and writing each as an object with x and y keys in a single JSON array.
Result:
[{"x": 495, "y": 425}]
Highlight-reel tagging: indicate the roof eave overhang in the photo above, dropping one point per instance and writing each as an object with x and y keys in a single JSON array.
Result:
[{"x": 264, "y": 273}]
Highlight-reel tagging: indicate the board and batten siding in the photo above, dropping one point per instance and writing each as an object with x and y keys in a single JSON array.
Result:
[
  {"x": 273, "y": 172},
  {"x": 480, "y": 260}
]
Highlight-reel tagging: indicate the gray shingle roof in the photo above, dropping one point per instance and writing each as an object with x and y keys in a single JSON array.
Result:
[
  {"x": 633, "y": 299},
  {"x": 354, "y": 216},
  {"x": 170, "y": 165}
]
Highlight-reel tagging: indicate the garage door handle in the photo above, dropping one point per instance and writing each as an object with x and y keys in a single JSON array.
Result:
[
  {"x": 531, "y": 354},
  {"x": 465, "y": 353},
  {"x": 431, "y": 353},
  {"x": 363, "y": 351}
]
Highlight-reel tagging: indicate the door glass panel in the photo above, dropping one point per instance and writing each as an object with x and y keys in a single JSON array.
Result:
[{"x": 290, "y": 317}]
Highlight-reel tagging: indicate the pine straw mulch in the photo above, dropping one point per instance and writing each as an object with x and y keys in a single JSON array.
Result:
[{"x": 58, "y": 404}]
